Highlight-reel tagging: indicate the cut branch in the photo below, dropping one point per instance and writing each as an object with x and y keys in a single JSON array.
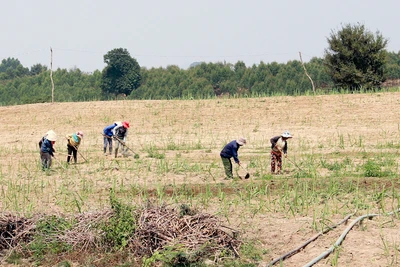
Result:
[{"x": 309, "y": 77}]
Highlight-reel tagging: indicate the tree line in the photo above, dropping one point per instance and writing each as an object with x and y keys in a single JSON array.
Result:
[{"x": 355, "y": 59}]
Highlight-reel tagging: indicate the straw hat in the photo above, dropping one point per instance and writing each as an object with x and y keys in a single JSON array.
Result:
[
  {"x": 51, "y": 136},
  {"x": 50, "y": 131},
  {"x": 241, "y": 141}
]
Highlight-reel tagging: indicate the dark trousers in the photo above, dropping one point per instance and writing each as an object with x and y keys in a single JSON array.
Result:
[
  {"x": 46, "y": 160},
  {"x": 72, "y": 151},
  {"x": 107, "y": 141},
  {"x": 228, "y": 167}
]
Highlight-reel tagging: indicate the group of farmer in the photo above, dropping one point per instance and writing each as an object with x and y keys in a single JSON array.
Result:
[
  {"x": 279, "y": 148},
  {"x": 118, "y": 131},
  {"x": 47, "y": 150}
]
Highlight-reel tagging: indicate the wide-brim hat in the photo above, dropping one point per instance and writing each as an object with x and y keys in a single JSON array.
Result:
[
  {"x": 286, "y": 134},
  {"x": 51, "y": 136},
  {"x": 48, "y": 132},
  {"x": 125, "y": 124},
  {"x": 241, "y": 141}
]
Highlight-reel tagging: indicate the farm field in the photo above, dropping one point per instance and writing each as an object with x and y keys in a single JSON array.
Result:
[{"x": 343, "y": 159}]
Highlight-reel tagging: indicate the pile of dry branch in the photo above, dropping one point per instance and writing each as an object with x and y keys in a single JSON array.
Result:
[
  {"x": 14, "y": 230},
  {"x": 157, "y": 227}
]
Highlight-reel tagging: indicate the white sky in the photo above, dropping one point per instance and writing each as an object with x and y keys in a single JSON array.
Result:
[{"x": 180, "y": 32}]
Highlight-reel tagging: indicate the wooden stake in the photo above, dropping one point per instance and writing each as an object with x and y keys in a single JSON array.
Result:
[
  {"x": 312, "y": 83},
  {"x": 51, "y": 75}
]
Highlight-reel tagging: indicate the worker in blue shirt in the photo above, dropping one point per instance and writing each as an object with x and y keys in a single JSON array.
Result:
[
  {"x": 47, "y": 150},
  {"x": 108, "y": 134},
  {"x": 231, "y": 151}
]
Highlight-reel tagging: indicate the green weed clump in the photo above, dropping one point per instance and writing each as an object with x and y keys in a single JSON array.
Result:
[
  {"x": 121, "y": 226},
  {"x": 374, "y": 169},
  {"x": 153, "y": 153},
  {"x": 46, "y": 239},
  {"x": 170, "y": 256}
]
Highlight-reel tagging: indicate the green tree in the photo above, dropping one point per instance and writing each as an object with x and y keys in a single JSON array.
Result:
[
  {"x": 11, "y": 68},
  {"x": 393, "y": 65},
  {"x": 316, "y": 69},
  {"x": 37, "y": 68},
  {"x": 239, "y": 69},
  {"x": 122, "y": 73},
  {"x": 356, "y": 57}
]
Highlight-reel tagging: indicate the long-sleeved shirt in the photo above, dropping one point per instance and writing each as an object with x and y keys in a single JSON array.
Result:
[
  {"x": 109, "y": 130},
  {"x": 74, "y": 140},
  {"x": 120, "y": 132},
  {"x": 231, "y": 151},
  {"x": 279, "y": 145},
  {"x": 47, "y": 147}
]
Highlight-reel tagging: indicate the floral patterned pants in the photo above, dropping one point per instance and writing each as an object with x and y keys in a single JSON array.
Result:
[{"x": 276, "y": 159}]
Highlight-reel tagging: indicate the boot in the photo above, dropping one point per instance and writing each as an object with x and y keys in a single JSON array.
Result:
[
  {"x": 116, "y": 152},
  {"x": 110, "y": 150},
  {"x": 105, "y": 151}
]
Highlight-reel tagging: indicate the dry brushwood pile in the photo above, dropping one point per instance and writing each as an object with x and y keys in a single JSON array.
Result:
[
  {"x": 17, "y": 231},
  {"x": 14, "y": 230},
  {"x": 157, "y": 228}
]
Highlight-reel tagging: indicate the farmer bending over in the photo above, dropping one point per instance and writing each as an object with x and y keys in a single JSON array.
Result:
[
  {"x": 74, "y": 140},
  {"x": 43, "y": 138},
  {"x": 120, "y": 133},
  {"x": 278, "y": 147},
  {"x": 47, "y": 150},
  {"x": 108, "y": 133},
  {"x": 231, "y": 151}
]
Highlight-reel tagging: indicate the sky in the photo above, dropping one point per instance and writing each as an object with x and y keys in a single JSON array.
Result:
[{"x": 179, "y": 32}]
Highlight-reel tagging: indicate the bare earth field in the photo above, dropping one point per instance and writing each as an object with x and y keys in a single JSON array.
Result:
[{"x": 179, "y": 144}]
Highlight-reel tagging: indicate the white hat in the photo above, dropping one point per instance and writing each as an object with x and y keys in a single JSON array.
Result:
[
  {"x": 51, "y": 136},
  {"x": 48, "y": 132},
  {"x": 286, "y": 134},
  {"x": 241, "y": 141}
]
